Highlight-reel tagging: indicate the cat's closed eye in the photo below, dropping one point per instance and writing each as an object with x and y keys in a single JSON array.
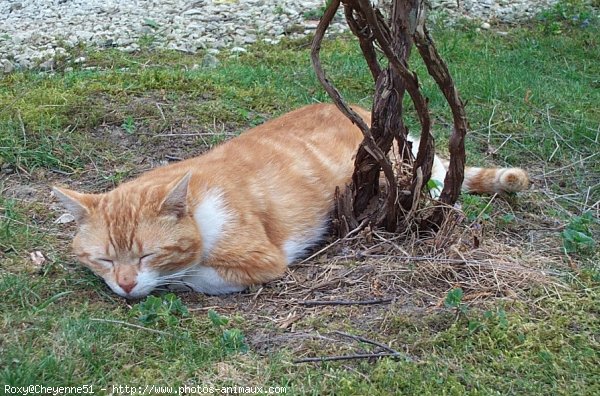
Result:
[
  {"x": 146, "y": 258},
  {"x": 105, "y": 262}
]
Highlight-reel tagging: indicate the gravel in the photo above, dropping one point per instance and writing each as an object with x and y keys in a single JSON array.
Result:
[
  {"x": 40, "y": 33},
  {"x": 494, "y": 11}
]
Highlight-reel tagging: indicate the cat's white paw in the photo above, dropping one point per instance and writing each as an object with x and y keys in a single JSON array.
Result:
[{"x": 207, "y": 280}]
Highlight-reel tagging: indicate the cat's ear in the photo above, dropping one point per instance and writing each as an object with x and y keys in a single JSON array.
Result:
[
  {"x": 78, "y": 204},
  {"x": 175, "y": 203}
]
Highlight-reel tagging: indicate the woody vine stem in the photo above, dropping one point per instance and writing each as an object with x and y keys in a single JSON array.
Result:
[{"x": 395, "y": 40}]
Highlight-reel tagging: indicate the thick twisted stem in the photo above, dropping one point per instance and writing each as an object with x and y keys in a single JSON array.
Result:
[
  {"x": 361, "y": 201},
  {"x": 369, "y": 144},
  {"x": 425, "y": 154},
  {"x": 439, "y": 71},
  {"x": 359, "y": 27}
]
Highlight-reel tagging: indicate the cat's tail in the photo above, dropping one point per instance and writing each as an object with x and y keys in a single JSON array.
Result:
[{"x": 494, "y": 180}]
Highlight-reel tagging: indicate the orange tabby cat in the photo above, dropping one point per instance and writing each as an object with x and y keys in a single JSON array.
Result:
[{"x": 237, "y": 215}]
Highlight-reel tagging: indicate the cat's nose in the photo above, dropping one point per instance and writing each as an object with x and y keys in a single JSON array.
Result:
[{"x": 128, "y": 286}]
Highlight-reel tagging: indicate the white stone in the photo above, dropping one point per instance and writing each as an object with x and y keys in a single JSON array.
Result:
[{"x": 7, "y": 66}]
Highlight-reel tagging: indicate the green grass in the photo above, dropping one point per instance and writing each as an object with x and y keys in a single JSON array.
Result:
[{"x": 532, "y": 98}]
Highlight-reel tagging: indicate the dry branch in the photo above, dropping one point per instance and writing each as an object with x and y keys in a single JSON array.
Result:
[
  {"x": 127, "y": 324},
  {"x": 369, "y": 143},
  {"x": 316, "y": 61},
  {"x": 359, "y": 27},
  {"x": 405, "y": 24}
]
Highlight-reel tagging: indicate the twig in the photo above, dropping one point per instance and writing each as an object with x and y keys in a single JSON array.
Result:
[
  {"x": 426, "y": 146},
  {"x": 204, "y": 308},
  {"x": 478, "y": 216},
  {"x": 391, "y": 242},
  {"x": 502, "y": 145},
  {"x": 366, "y": 340},
  {"x": 473, "y": 131},
  {"x": 571, "y": 164},
  {"x": 556, "y": 133},
  {"x": 489, "y": 138},
  {"x": 555, "y": 149},
  {"x": 120, "y": 322},
  {"x": 361, "y": 30},
  {"x": 369, "y": 143},
  {"x": 554, "y": 197},
  {"x": 187, "y": 134},
  {"x": 315, "y": 254},
  {"x": 22, "y": 128},
  {"x": 10, "y": 219},
  {"x": 161, "y": 112},
  {"x": 347, "y": 357},
  {"x": 438, "y": 69},
  {"x": 346, "y": 237},
  {"x": 61, "y": 172},
  {"x": 587, "y": 198},
  {"x": 331, "y": 90},
  {"x": 345, "y": 302}
]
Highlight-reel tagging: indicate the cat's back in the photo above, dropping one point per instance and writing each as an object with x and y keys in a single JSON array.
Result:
[
  {"x": 319, "y": 129},
  {"x": 315, "y": 143},
  {"x": 281, "y": 174},
  {"x": 317, "y": 137},
  {"x": 302, "y": 155}
]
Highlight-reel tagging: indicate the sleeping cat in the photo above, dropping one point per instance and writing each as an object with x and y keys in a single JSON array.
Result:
[{"x": 237, "y": 215}]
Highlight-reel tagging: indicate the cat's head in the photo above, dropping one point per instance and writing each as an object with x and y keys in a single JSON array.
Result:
[{"x": 136, "y": 236}]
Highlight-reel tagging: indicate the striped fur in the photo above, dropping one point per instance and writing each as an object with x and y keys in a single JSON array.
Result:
[{"x": 235, "y": 216}]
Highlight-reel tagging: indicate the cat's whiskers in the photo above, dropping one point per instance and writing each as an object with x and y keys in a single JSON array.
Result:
[
  {"x": 177, "y": 277},
  {"x": 172, "y": 283},
  {"x": 162, "y": 287},
  {"x": 178, "y": 274}
]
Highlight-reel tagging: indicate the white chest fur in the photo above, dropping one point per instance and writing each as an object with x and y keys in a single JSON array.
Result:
[
  {"x": 438, "y": 172},
  {"x": 212, "y": 217}
]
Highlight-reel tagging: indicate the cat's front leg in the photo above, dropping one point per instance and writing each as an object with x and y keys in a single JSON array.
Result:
[{"x": 232, "y": 270}]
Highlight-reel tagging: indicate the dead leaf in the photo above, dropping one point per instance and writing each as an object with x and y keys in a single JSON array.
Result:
[
  {"x": 291, "y": 319},
  {"x": 65, "y": 218},
  {"x": 476, "y": 295}
]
